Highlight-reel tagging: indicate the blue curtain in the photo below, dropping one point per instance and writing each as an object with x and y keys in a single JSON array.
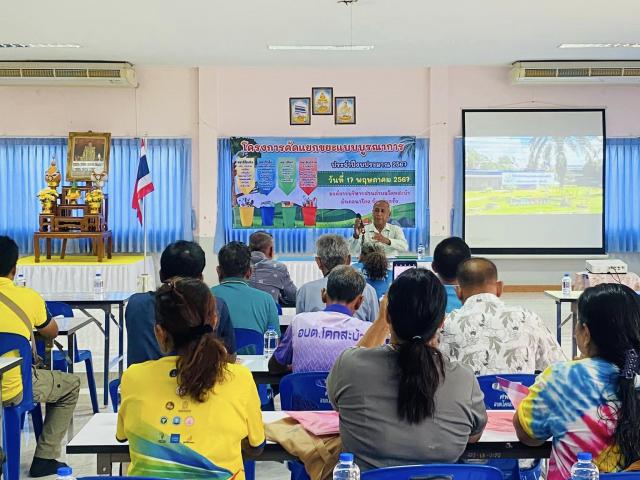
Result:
[
  {"x": 458, "y": 194},
  {"x": 622, "y": 209},
  {"x": 23, "y": 162},
  {"x": 303, "y": 240}
]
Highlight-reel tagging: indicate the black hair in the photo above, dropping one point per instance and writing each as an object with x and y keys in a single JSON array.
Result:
[
  {"x": 476, "y": 272},
  {"x": 344, "y": 284},
  {"x": 234, "y": 259},
  {"x": 186, "y": 310},
  {"x": 416, "y": 305},
  {"x": 260, "y": 241},
  {"x": 612, "y": 313},
  {"x": 182, "y": 259},
  {"x": 8, "y": 255},
  {"x": 448, "y": 254}
]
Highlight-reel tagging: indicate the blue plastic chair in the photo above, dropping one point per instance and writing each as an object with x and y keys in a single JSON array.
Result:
[
  {"x": 59, "y": 357},
  {"x": 114, "y": 394},
  {"x": 424, "y": 472},
  {"x": 248, "y": 342},
  {"x": 121, "y": 478},
  {"x": 304, "y": 391},
  {"x": 13, "y": 417},
  {"x": 496, "y": 399}
]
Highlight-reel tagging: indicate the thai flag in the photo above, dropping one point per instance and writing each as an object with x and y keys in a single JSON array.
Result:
[
  {"x": 144, "y": 185},
  {"x": 514, "y": 390}
]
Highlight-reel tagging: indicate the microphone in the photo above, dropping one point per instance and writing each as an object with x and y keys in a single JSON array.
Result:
[{"x": 360, "y": 228}]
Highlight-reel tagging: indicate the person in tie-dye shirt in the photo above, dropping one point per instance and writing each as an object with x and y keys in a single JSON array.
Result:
[{"x": 591, "y": 404}]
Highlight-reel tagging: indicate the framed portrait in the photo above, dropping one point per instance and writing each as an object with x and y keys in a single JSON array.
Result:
[
  {"x": 300, "y": 111},
  {"x": 87, "y": 152},
  {"x": 322, "y": 100},
  {"x": 345, "y": 110}
]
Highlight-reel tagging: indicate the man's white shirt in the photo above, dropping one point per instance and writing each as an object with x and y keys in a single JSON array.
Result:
[
  {"x": 491, "y": 337},
  {"x": 394, "y": 233}
]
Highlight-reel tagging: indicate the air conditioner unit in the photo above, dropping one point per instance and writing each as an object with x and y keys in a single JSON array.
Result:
[
  {"x": 76, "y": 74},
  {"x": 575, "y": 72}
]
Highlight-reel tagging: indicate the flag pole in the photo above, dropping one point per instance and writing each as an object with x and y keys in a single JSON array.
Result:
[{"x": 144, "y": 226}]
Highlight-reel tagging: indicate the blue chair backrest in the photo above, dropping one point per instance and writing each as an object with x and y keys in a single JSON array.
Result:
[
  {"x": 249, "y": 342},
  {"x": 621, "y": 476},
  {"x": 434, "y": 472},
  {"x": 279, "y": 308},
  {"x": 496, "y": 399},
  {"x": 59, "y": 308},
  {"x": 121, "y": 478},
  {"x": 10, "y": 342},
  {"x": 304, "y": 391}
]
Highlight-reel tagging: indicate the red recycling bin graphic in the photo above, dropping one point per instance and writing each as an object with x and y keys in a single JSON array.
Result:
[
  {"x": 308, "y": 174},
  {"x": 309, "y": 216}
]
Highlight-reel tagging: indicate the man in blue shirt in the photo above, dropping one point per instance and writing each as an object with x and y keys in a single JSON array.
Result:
[
  {"x": 179, "y": 259},
  {"x": 249, "y": 307},
  {"x": 447, "y": 256}
]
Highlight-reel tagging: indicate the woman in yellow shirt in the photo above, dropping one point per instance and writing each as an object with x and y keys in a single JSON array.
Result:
[{"x": 192, "y": 413}]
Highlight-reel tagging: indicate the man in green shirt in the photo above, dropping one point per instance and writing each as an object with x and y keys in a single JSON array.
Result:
[{"x": 248, "y": 307}]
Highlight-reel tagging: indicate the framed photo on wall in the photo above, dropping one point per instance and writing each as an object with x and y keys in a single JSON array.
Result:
[
  {"x": 299, "y": 111},
  {"x": 322, "y": 98},
  {"x": 345, "y": 110},
  {"x": 87, "y": 152}
]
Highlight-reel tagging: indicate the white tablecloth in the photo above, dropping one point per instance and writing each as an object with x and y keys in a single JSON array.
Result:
[{"x": 79, "y": 278}]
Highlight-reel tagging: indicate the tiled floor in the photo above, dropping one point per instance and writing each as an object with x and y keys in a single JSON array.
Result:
[{"x": 86, "y": 464}]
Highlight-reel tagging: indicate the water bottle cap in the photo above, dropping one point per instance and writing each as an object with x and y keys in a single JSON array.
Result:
[
  {"x": 584, "y": 457},
  {"x": 65, "y": 471},
  {"x": 346, "y": 457},
  {"x": 98, "y": 274},
  {"x": 566, "y": 274}
]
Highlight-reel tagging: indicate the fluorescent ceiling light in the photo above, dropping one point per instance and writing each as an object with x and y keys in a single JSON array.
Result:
[
  {"x": 328, "y": 48},
  {"x": 38, "y": 45},
  {"x": 599, "y": 45}
]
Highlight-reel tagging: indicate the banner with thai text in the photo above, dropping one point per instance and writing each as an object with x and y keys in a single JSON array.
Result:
[{"x": 308, "y": 182}]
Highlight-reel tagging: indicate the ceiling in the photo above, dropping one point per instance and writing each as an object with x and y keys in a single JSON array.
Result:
[{"x": 237, "y": 32}]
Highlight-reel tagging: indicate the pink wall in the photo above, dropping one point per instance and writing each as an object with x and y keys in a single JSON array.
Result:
[{"x": 209, "y": 102}]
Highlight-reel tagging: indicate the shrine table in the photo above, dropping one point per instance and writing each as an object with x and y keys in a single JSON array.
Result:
[{"x": 98, "y": 239}]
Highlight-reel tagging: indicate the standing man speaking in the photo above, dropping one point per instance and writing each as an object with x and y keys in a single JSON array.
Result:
[{"x": 390, "y": 237}]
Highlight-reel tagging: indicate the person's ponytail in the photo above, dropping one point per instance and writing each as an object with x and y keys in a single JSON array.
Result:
[
  {"x": 200, "y": 365},
  {"x": 416, "y": 304},
  {"x": 186, "y": 311},
  {"x": 421, "y": 372}
]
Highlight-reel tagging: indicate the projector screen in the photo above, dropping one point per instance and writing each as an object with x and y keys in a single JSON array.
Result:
[{"x": 534, "y": 181}]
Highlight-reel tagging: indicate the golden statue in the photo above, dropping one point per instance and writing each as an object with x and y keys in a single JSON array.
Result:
[{"x": 52, "y": 175}]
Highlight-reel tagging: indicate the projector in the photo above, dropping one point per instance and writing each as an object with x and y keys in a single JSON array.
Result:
[{"x": 606, "y": 266}]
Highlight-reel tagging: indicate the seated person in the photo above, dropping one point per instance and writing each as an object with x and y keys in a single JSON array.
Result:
[
  {"x": 406, "y": 402},
  {"x": 380, "y": 232},
  {"x": 315, "y": 339},
  {"x": 268, "y": 275},
  {"x": 22, "y": 310},
  {"x": 374, "y": 266},
  {"x": 333, "y": 250},
  {"x": 248, "y": 307},
  {"x": 591, "y": 404},
  {"x": 447, "y": 256},
  {"x": 490, "y": 337},
  {"x": 179, "y": 259},
  {"x": 192, "y": 413}
]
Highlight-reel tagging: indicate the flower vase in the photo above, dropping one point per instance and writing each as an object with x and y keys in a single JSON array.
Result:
[
  {"x": 47, "y": 207},
  {"x": 94, "y": 208}
]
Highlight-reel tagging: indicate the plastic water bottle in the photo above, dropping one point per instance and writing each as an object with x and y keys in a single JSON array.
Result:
[
  {"x": 65, "y": 473},
  {"x": 270, "y": 342},
  {"x": 21, "y": 281},
  {"x": 346, "y": 469},
  {"x": 566, "y": 285},
  {"x": 420, "y": 252},
  {"x": 584, "y": 468},
  {"x": 98, "y": 284}
]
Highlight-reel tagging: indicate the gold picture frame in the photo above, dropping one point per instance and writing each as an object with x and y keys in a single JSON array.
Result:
[{"x": 87, "y": 152}]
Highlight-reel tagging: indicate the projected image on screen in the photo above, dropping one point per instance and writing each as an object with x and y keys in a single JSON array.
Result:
[{"x": 533, "y": 180}]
